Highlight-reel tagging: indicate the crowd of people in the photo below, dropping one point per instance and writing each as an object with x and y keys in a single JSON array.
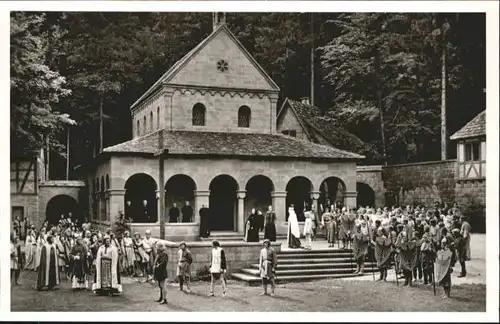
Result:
[{"x": 422, "y": 244}]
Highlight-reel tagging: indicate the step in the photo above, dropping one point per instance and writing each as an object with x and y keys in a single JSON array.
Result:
[
  {"x": 257, "y": 280},
  {"x": 316, "y": 266},
  {"x": 313, "y": 255},
  {"x": 338, "y": 259},
  {"x": 279, "y": 273},
  {"x": 315, "y": 251}
]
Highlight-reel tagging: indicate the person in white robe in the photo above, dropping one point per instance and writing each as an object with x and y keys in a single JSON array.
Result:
[
  {"x": 293, "y": 233},
  {"x": 107, "y": 279}
]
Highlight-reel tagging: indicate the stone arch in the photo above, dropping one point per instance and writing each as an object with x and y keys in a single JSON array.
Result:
[
  {"x": 180, "y": 189},
  {"x": 298, "y": 193},
  {"x": 145, "y": 125},
  {"x": 198, "y": 114},
  {"x": 223, "y": 202},
  {"x": 140, "y": 198},
  {"x": 332, "y": 191},
  {"x": 366, "y": 195},
  {"x": 244, "y": 116},
  {"x": 258, "y": 193},
  {"x": 62, "y": 205}
]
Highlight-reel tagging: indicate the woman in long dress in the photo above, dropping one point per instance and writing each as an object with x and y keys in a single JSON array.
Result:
[
  {"x": 293, "y": 234},
  {"x": 128, "y": 253},
  {"x": 308, "y": 228},
  {"x": 40, "y": 241},
  {"x": 30, "y": 250}
]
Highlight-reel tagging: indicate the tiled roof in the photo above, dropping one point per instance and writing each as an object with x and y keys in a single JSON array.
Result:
[
  {"x": 310, "y": 117},
  {"x": 476, "y": 127},
  {"x": 231, "y": 144}
]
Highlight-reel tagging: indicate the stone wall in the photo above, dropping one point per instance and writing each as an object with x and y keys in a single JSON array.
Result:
[
  {"x": 51, "y": 189},
  {"x": 239, "y": 255},
  {"x": 424, "y": 183},
  {"x": 372, "y": 176}
]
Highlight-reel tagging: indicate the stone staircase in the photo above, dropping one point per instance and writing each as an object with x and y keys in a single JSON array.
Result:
[{"x": 298, "y": 265}]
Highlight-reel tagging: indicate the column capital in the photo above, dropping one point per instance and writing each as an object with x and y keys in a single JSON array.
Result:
[
  {"x": 315, "y": 194},
  {"x": 351, "y": 194},
  {"x": 241, "y": 194},
  {"x": 202, "y": 193},
  {"x": 278, "y": 194}
]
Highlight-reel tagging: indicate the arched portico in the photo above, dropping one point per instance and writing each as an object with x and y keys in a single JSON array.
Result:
[
  {"x": 180, "y": 190},
  {"x": 222, "y": 201},
  {"x": 140, "y": 198},
  {"x": 298, "y": 193}
]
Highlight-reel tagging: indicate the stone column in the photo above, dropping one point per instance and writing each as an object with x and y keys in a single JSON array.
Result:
[
  {"x": 201, "y": 197},
  {"x": 315, "y": 197},
  {"x": 116, "y": 203},
  {"x": 350, "y": 199},
  {"x": 241, "y": 211},
  {"x": 158, "y": 207},
  {"x": 279, "y": 206}
]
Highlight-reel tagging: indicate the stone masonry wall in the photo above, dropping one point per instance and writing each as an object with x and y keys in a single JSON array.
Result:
[
  {"x": 372, "y": 176},
  {"x": 238, "y": 255}
]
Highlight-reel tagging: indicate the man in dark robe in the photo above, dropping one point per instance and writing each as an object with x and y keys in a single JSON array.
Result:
[
  {"x": 252, "y": 227},
  {"x": 204, "y": 221},
  {"x": 48, "y": 271},
  {"x": 174, "y": 213},
  {"x": 187, "y": 213}
]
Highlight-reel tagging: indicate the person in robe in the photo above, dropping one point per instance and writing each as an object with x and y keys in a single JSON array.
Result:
[
  {"x": 315, "y": 222},
  {"x": 160, "y": 272},
  {"x": 107, "y": 279},
  {"x": 141, "y": 257},
  {"x": 184, "y": 267},
  {"x": 16, "y": 259},
  {"x": 30, "y": 250},
  {"x": 465, "y": 231},
  {"x": 128, "y": 253},
  {"x": 269, "y": 226},
  {"x": 293, "y": 232},
  {"x": 116, "y": 243},
  {"x": 40, "y": 242},
  {"x": 149, "y": 247},
  {"x": 347, "y": 220},
  {"x": 308, "y": 228},
  {"x": 360, "y": 248},
  {"x": 80, "y": 265},
  {"x": 187, "y": 213},
  {"x": 417, "y": 270},
  {"x": 267, "y": 266},
  {"x": 48, "y": 270},
  {"x": 204, "y": 221},
  {"x": 252, "y": 227},
  {"x": 217, "y": 268},
  {"x": 427, "y": 256},
  {"x": 174, "y": 213}
]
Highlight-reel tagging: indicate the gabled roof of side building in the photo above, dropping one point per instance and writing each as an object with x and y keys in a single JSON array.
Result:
[{"x": 475, "y": 127}]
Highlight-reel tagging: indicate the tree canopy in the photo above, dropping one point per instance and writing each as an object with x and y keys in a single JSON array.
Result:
[{"x": 373, "y": 71}]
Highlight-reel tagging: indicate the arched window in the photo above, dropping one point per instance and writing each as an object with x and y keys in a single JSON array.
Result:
[
  {"x": 151, "y": 121},
  {"x": 145, "y": 125},
  {"x": 138, "y": 128},
  {"x": 199, "y": 115},
  {"x": 244, "y": 115},
  {"x": 158, "y": 118}
]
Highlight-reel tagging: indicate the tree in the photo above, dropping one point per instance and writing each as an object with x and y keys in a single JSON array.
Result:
[{"x": 35, "y": 88}]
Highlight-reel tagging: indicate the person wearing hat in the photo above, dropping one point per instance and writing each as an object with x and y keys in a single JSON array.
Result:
[
  {"x": 427, "y": 256},
  {"x": 465, "y": 231},
  {"x": 217, "y": 267},
  {"x": 107, "y": 280},
  {"x": 347, "y": 220},
  {"x": 160, "y": 272},
  {"x": 267, "y": 266},
  {"x": 149, "y": 246},
  {"x": 184, "y": 267},
  {"x": 141, "y": 257}
]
